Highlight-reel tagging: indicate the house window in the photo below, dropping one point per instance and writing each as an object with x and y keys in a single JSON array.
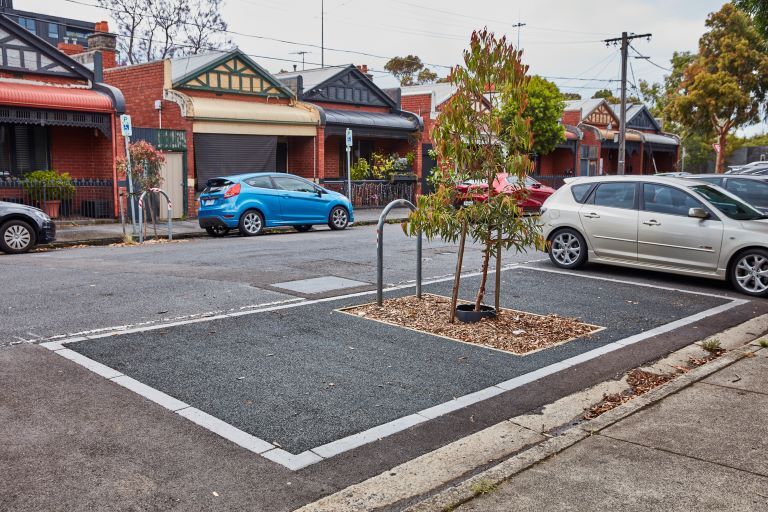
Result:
[
  {"x": 53, "y": 31},
  {"x": 23, "y": 148},
  {"x": 75, "y": 37},
  {"x": 28, "y": 23}
]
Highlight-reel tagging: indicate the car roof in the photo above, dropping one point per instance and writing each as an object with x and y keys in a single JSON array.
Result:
[
  {"x": 672, "y": 180},
  {"x": 248, "y": 175},
  {"x": 729, "y": 176}
]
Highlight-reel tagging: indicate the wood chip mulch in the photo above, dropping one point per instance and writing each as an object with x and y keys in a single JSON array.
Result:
[
  {"x": 640, "y": 382},
  {"x": 511, "y": 331}
]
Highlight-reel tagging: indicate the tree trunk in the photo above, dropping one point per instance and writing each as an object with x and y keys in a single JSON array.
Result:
[
  {"x": 486, "y": 261},
  {"x": 722, "y": 140}
]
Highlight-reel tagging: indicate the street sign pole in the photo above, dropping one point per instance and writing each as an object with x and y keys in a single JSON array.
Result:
[
  {"x": 349, "y": 164},
  {"x": 127, "y": 130}
]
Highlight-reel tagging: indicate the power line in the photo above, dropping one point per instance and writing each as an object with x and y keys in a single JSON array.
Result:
[{"x": 648, "y": 59}]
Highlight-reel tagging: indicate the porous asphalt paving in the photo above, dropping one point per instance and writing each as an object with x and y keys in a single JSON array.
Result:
[{"x": 308, "y": 375}]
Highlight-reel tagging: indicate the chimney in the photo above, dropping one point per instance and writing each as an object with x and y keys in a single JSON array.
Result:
[
  {"x": 364, "y": 69},
  {"x": 69, "y": 48},
  {"x": 102, "y": 41}
]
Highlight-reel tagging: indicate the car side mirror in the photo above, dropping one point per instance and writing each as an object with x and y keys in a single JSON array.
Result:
[
  {"x": 320, "y": 192},
  {"x": 698, "y": 213}
]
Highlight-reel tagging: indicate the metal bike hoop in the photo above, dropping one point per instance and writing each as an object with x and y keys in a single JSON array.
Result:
[
  {"x": 380, "y": 250},
  {"x": 141, "y": 213}
]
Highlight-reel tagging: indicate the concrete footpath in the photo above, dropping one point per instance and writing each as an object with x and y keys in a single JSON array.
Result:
[
  {"x": 71, "y": 232},
  {"x": 701, "y": 447}
]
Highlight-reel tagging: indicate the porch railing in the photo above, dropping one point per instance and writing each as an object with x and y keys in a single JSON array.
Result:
[
  {"x": 374, "y": 193},
  {"x": 90, "y": 199}
]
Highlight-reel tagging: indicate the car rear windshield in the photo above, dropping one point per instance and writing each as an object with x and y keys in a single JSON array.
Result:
[
  {"x": 729, "y": 205},
  {"x": 216, "y": 185},
  {"x": 581, "y": 191}
]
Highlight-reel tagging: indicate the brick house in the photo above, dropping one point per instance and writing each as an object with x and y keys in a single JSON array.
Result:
[
  {"x": 346, "y": 97},
  {"x": 216, "y": 114},
  {"x": 55, "y": 113}
]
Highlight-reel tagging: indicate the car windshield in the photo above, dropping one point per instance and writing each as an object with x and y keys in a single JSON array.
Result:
[
  {"x": 529, "y": 182},
  {"x": 728, "y": 204}
]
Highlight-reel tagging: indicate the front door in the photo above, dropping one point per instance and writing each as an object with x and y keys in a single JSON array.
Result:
[
  {"x": 668, "y": 236},
  {"x": 173, "y": 185},
  {"x": 300, "y": 201},
  {"x": 610, "y": 220}
]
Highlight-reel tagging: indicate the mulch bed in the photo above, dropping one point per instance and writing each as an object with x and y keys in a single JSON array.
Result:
[{"x": 511, "y": 331}]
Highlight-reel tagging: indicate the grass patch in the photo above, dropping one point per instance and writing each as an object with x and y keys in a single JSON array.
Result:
[
  {"x": 763, "y": 343},
  {"x": 483, "y": 487},
  {"x": 712, "y": 346}
]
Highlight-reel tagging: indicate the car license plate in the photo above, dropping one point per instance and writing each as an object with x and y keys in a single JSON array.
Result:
[
  {"x": 208, "y": 202},
  {"x": 467, "y": 203}
]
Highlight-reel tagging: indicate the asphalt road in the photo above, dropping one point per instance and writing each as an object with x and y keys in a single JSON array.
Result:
[{"x": 67, "y": 291}]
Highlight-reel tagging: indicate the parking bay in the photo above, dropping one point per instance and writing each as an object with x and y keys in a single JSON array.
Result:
[{"x": 305, "y": 376}]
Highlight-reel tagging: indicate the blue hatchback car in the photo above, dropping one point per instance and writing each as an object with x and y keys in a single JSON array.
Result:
[{"x": 251, "y": 202}]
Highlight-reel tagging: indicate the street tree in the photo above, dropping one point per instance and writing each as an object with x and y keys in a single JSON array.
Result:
[
  {"x": 468, "y": 143},
  {"x": 727, "y": 85},
  {"x": 571, "y": 96},
  {"x": 409, "y": 70}
]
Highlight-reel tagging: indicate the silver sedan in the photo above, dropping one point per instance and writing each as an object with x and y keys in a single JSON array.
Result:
[{"x": 659, "y": 223}]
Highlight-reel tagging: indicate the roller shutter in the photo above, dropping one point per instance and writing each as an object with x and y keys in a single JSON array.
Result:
[{"x": 225, "y": 155}]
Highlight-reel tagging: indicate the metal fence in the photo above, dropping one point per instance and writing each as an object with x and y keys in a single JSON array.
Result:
[
  {"x": 374, "y": 193},
  {"x": 87, "y": 199},
  {"x": 550, "y": 180}
]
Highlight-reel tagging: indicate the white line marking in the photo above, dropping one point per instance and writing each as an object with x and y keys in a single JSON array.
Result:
[{"x": 314, "y": 455}]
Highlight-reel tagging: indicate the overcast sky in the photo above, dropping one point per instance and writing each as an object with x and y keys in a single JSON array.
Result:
[{"x": 562, "y": 39}]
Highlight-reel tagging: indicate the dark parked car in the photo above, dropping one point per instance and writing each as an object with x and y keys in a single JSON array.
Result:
[
  {"x": 23, "y": 227},
  {"x": 750, "y": 188}
]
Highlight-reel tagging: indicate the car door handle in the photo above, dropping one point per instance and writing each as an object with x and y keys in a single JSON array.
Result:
[
  {"x": 652, "y": 222},
  {"x": 591, "y": 215}
]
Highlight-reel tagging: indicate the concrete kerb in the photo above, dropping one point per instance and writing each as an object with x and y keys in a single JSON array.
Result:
[
  {"x": 178, "y": 236},
  {"x": 466, "y": 490}
]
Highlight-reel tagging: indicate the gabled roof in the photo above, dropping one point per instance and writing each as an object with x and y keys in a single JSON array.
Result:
[
  {"x": 586, "y": 106},
  {"x": 24, "y": 52},
  {"x": 639, "y": 113},
  {"x": 186, "y": 71},
  {"x": 333, "y": 84}
]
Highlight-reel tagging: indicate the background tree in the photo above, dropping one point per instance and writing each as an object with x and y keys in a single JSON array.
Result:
[
  {"x": 545, "y": 110},
  {"x": 466, "y": 141},
  {"x": 571, "y": 96},
  {"x": 157, "y": 29},
  {"x": 726, "y": 86},
  {"x": 409, "y": 70},
  {"x": 607, "y": 95},
  {"x": 758, "y": 11}
]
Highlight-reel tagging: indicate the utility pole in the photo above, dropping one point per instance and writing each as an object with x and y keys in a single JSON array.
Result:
[
  {"x": 518, "y": 26},
  {"x": 624, "y": 41},
  {"x": 322, "y": 33},
  {"x": 302, "y": 53}
]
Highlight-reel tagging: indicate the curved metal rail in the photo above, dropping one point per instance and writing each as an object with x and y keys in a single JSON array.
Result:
[
  {"x": 380, "y": 251},
  {"x": 141, "y": 213}
]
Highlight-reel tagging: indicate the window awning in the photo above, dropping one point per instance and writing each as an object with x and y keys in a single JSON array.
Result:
[
  {"x": 609, "y": 135},
  {"x": 52, "y": 97},
  {"x": 213, "y": 115},
  {"x": 371, "y": 124}
]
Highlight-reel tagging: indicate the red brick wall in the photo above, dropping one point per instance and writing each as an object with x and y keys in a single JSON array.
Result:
[
  {"x": 557, "y": 162},
  {"x": 572, "y": 117},
  {"x": 301, "y": 156},
  {"x": 332, "y": 153},
  {"x": 81, "y": 152},
  {"x": 142, "y": 85},
  {"x": 421, "y": 105},
  {"x": 70, "y": 49}
]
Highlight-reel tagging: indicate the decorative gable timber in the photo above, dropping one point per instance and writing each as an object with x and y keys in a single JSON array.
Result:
[
  {"x": 349, "y": 86},
  {"x": 23, "y": 52},
  {"x": 234, "y": 73},
  {"x": 602, "y": 115},
  {"x": 643, "y": 120}
]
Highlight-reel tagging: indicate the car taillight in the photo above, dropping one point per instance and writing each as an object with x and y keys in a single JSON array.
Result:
[{"x": 232, "y": 191}]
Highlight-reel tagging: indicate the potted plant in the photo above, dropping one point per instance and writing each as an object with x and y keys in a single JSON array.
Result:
[
  {"x": 48, "y": 189},
  {"x": 476, "y": 144},
  {"x": 402, "y": 168}
]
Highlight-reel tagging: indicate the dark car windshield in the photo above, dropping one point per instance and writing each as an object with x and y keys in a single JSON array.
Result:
[{"x": 729, "y": 205}]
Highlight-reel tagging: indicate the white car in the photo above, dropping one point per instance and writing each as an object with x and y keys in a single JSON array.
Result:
[{"x": 659, "y": 223}]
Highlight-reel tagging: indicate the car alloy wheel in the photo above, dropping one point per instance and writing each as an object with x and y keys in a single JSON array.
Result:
[
  {"x": 339, "y": 218},
  {"x": 750, "y": 273},
  {"x": 567, "y": 249},
  {"x": 17, "y": 237},
  {"x": 251, "y": 223}
]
